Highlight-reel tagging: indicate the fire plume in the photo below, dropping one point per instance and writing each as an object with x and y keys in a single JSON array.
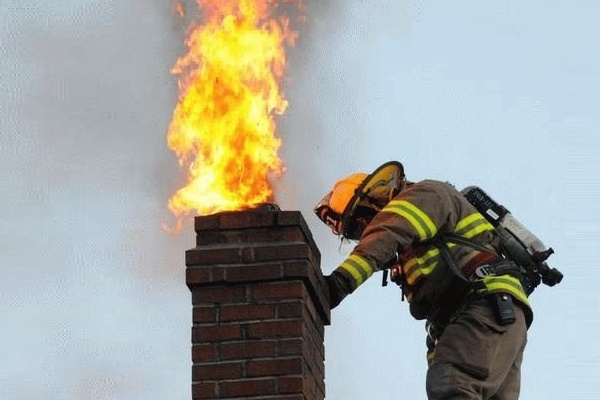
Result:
[{"x": 223, "y": 129}]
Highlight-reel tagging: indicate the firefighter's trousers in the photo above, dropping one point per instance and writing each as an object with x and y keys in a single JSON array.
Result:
[{"x": 477, "y": 358}]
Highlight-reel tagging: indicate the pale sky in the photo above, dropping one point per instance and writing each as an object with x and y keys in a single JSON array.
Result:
[{"x": 502, "y": 95}]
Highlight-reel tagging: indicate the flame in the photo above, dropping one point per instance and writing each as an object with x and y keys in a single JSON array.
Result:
[{"x": 223, "y": 128}]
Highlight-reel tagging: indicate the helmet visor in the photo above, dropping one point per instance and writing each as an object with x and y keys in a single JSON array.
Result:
[{"x": 328, "y": 216}]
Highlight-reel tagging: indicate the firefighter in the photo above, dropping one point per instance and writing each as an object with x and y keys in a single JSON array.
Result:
[{"x": 476, "y": 311}]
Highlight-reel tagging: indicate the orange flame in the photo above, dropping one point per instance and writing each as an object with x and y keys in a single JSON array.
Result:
[{"x": 223, "y": 128}]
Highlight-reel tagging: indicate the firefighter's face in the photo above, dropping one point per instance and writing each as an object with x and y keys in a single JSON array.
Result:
[{"x": 360, "y": 219}]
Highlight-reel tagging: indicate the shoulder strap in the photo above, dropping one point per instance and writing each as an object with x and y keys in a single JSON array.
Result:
[
  {"x": 440, "y": 242},
  {"x": 454, "y": 238}
]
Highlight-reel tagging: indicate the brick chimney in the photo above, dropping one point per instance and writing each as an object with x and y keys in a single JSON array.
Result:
[{"x": 259, "y": 309}]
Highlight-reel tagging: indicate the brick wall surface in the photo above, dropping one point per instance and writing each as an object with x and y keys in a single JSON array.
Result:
[{"x": 259, "y": 308}]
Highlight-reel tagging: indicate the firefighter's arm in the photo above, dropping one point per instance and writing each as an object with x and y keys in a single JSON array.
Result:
[
  {"x": 348, "y": 276},
  {"x": 402, "y": 222},
  {"x": 376, "y": 247}
]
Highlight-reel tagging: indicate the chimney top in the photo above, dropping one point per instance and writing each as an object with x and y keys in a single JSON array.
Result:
[{"x": 259, "y": 307}]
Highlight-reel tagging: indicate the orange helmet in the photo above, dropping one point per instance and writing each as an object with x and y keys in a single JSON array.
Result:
[
  {"x": 355, "y": 200},
  {"x": 344, "y": 190}
]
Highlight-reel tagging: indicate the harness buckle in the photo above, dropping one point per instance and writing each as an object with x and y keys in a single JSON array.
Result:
[{"x": 484, "y": 270}]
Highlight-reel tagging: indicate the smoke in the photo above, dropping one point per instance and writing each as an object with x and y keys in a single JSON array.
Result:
[
  {"x": 334, "y": 87},
  {"x": 93, "y": 290}
]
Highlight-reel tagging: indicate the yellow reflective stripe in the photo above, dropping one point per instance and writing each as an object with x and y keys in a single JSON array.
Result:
[
  {"x": 419, "y": 266},
  {"x": 424, "y": 226},
  {"x": 468, "y": 220},
  {"x": 358, "y": 268},
  {"x": 423, "y": 265},
  {"x": 422, "y": 271},
  {"x": 472, "y": 225},
  {"x": 505, "y": 283}
]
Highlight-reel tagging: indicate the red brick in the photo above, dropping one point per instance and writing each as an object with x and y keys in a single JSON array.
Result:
[
  {"x": 274, "y": 235},
  {"x": 318, "y": 305},
  {"x": 247, "y": 312},
  {"x": 206, "y": 237},
  {"x": 289, "y": 347},
  {"x": 218, "y": 294},
  {"x": 218, "y": 237},
  {"x": 282, "y": 251},
  {"x": 247, "y": 349},
  {"x": 204, "y": 390},
  {"x": 278, "y": 290},
  {"x": 247, "y": 255},
  {"x": 204, "y": 314},
  {"x": 204, "y": 276},
  {"x": 314, "y": 359},
  {"x": 295, "y": 218},
  {"x": 310, "y": 387},
  {"x": 214, "y": 371},
  {"x": 290, "y": 310},
  {"x": 315, "y": 332},
  {"x": 276, "y": 366},
  {"x": 253, "y": 273},
  {"x": 250, "y": 235},
  {"x": 211, "y": 256},
  {"x": 217, "y": 274},
  {"x": 296, "y": 269},
  {"x": 247, "y": 387},
  {"x": 286, "y": 218},
  {"x": 195, "y": 276},
  {"x": 290, "y": 384},
  {"x": 206, "y": 222},
  {"x": 204, "y": 353},
  {"x": 216, "y": 333},
  {"x": 313, "y": 316},
  {"x": 247, "y": 219},
  {"x": 259, "y": 307},
  {"x": 291, "y": 397},
  {"x": 273, "y": 329}
]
